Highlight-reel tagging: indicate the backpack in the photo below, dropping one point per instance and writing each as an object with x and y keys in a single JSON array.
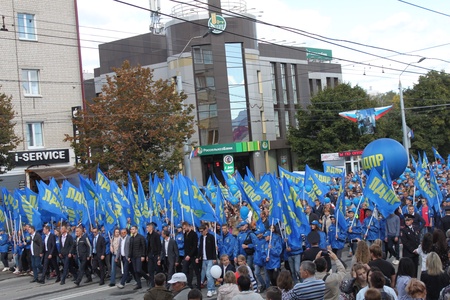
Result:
[{"x": 248, "y": 240}]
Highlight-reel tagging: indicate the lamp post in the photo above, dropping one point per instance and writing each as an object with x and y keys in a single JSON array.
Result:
[
  {"x": 402, "y": 109},
  {"x": 187, "y": 160}
]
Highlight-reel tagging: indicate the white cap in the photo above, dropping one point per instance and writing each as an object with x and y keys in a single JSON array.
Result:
[{"x": 178, "y": 277}]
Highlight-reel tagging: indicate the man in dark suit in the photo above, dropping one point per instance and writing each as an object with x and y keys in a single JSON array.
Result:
[
  {"x": 83, "y": 251},
  {"x": 50, "y": 254},
  {"x": 169, "y": 254},
  {"x": 153, "y": 251},
  {"x": 98, "y": 255},
  {"x": 124, "y": 256},
  {"x": 410, "y": 237},
  {"x": 207, "y": 255},
  {"x": 37, "y": 251},
  {"x": 137, "y": 256},
  {"x": 66, "y": 241},
  {"x": 190, "y": 251}
]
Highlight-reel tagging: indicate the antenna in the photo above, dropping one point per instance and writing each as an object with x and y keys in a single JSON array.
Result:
[{"x": 156, "y": 27}]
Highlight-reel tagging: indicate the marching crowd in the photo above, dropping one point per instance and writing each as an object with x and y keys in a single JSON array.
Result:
[{"x": 401, "y": 256}]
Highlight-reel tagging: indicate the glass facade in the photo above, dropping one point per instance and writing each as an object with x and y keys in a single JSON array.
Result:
[{"x": 237, "y": 92}]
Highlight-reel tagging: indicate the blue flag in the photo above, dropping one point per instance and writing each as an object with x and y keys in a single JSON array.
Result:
[
  {"x": 220, "y": 208},
  {"x": 381, "y": 194},
  {"x": 49, "y": 204},
  {"x": 332, "y": 171},
  {"x": 438, "y": 156},
  {"x": 421, "y": 183},
  {"x": 29, "y": 214}
]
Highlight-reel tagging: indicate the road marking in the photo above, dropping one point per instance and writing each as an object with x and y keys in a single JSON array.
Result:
[{"x": 84, "y": 293}]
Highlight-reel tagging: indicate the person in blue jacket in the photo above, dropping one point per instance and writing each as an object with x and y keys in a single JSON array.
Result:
[
  {"x": 259, "y": 260},
  {"x": 273, "y": 248},
  {"x": 336, "y": 238},
  {"x": 26, "y": 252},
  {"x": 228, "y": 244},
  {"x": 179, "y": 239},
  {"x": 4, "y": 248},
  {"x": 315, "y": 226},
  {"x": 371, "y": 227},
  {"x": 354, "y": 229},
  {"x": 246, "y": 240}
]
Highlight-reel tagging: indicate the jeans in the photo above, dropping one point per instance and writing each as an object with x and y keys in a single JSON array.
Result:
[
  {"x": 4, "y": 257},
  {"x": 294, "y": 264},
  {"x": 393, "y": 247},
  {"x": 36, "y": 265},
  {"x": 112, "y": 279},
  {"x": 250, "y": 262},
  {"x": 138, "y": 273},
  {"x": 206, "y": 270},
  {"x": 263, "y": 283},
  {"x": 126, "y": 267},
  {"x": 151, "y": 267}
]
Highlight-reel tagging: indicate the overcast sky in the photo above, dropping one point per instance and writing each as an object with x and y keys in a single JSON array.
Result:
[{"x": 390, "y": 24}]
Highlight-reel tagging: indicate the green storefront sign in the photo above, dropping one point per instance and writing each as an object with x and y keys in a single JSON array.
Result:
[
  {"x": 232, "y": 148},
  {"x": 319, "y": 54}
]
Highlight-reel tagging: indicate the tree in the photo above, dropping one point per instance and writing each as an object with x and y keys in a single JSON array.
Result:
[
  {"x": 322, "y": 130},
  {"x": 428, "y": 114},
  {"x": 136, "y": 125},
  {"x": 8, "y": 139}
]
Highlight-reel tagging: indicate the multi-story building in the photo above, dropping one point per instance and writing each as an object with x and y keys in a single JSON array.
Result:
[
  {"x": 41, "y": 70},
  {"x": 245, "y": 93}
]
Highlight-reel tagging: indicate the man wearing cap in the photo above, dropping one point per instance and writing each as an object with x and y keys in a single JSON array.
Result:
[
  {"x": 153, "y": 252},
  {"x": 229, "y": 244},
  {"x": 246, "y": 240},
  {"x": 354, "y": 229},
  {"x": 371, "y": 227},
  {"x": 259, "y": 260},
  {"x": 336, "y": 238},
  {"x": 418, "y": 221},
  {"x": 179, "y": 238},
  {"x": 179, "y": 286},
  {"x": 410, "y": 239}
]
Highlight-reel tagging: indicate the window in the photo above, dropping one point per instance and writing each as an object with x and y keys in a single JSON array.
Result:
[
  {"x": 294, "y": 84},
  {"x": 34, "y": 135},
  {"x": 286, "y": 119},
  {"x": 283, "y": 83},
  {"x": 30, "y": 82},
  {"x": 277, "y": 124},
  {"x": 27, "y": 27},
  {"x": 273, "y": 79}
]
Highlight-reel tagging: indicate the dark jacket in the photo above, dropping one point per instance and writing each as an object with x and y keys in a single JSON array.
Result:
[
  {"x": 153, "y": 244},
  {"x": 210, "y": 248},
  {"x": 38, "y": 244},
  {"x": 82, "y": 247},
  {"x": 158, "y": 293},
  {"x": 190, "y": 244},
  {"x": 172, "y": 250},
  {"x": 137, "y": 246},
  {"x": 51, "y": 245},
  {"x": 410, "y": 240},
  {"x": 68, "y": 245},
  {"x": 100, "y": 246}
]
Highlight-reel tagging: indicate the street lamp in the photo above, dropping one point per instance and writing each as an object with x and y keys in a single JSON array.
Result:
[
  {"x": 187, "y": 160},
  {"x": 402, "y": 109}
]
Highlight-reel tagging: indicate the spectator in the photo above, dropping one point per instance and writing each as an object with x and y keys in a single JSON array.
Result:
[
  {"x": 416, "y": 289},
  {"x": 179, "y": 286},
  {"x": 440, "y": 247},
  {"x": 392, "y": 236},
  {"x": 246, "y": 293},
  {"x": 362, "y": 253},
  {"x": 159, "y": 292},
  {"x": 229, "y": 288},
  {"x": 332, "y": 280},
  {"x": 383, "y": 265},
  {"x": 273, "y": 293},
  {"x": 310, "y": 288},
  {"x": 434, "y": 277},
  {"x": 195, "y": 294},
  {"x": 406, "y": 271},
  {"x": 284, "y": 282},
  {"x": 376, "y": 280},
  {"x": 424, "y": 249},
  {"x": 246, "y": 271},
  {"x": 351, "y": 287},
  {"x": 372, "y": 294}
]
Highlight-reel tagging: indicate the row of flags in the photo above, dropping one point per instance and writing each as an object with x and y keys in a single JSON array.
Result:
[{"x": 176, "y": 199}]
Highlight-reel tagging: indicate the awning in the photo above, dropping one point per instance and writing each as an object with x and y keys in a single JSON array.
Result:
[{"x": 59, "y": 173}]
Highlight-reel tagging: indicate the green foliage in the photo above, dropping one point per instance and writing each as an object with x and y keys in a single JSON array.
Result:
[
  {"x": 322, "y": 130},
  {"x": 8, "y": 139},
  {"x": 136, "y": 125},
  {"x": 428, "y": 114}
]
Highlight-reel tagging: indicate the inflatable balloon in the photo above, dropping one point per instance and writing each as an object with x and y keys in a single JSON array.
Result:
[
  {"x": 308, "y": 188},
  {"x": 388, "y": 151},
  {"x": 231, "y": 181},
  {"x": 216, "y": 271},
  {"x": 233, "y": 188},
  {"x": 417, "y": 193},
  {"x": 356, "y": 201},
  {"x": 233, "y": 200},
  {"x": 244, "y": 212},
  {"x": 350, "y": 186},
  {"x": 348, "y": 203},
  {"x": 296, "y": 189},
  {"x": 300, "y": 185},
  {"x": 212, "y": 188}
]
